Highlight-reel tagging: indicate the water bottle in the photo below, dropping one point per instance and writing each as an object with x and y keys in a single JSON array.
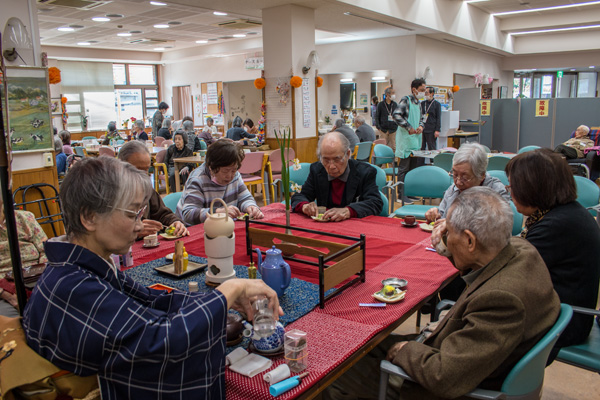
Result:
[{"x": 264, "y": 322}]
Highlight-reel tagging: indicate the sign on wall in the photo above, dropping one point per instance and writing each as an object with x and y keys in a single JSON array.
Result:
[
  {"x": 305, "y": 103},
  {"x": 541, "y": 108},
  {"x": 485, "y": 107},
  {"x": 254, "y": 63}
]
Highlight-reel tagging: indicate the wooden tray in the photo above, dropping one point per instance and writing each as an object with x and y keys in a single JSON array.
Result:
[{"x": 192, "y": 268}]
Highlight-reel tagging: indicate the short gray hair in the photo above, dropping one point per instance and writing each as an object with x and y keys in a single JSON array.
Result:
[
  {"x": 99, "y": 186},
  {"x": 345, "y": 143},
  {"x": 209, "y": 119},
  {"x": 388, "y": 90},
  {"x": 585, "y": 128},
  {"x": 166, "y": 123},
  {"x": 188, "y": 126},
  {"x": 473, "y": 154},
  {"x": 339, "y": 123},
  {"x": 485, "y": 213},
  {"x": 360, "y": 119},
  {"x": 58, "y": 145},
  {"x": 130, "y": 148},
  {"x": 139, "y": 123}
]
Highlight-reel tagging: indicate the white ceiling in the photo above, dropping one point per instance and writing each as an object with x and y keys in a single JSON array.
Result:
[{"x": 193, "y": 20}]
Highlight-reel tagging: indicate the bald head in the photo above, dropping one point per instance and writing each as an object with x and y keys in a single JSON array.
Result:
[{"x": 334, "y": 152}]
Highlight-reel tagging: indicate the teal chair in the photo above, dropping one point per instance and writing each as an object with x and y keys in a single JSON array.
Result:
[
  {"x": 587, "y": 193},
  {"x": 80, "y": 151},
  {"x": 382, "y": 155},
  {"x": 497, "y": 163},
  {"x": 120, "y": 142},
  {"x": 428, "y": 182},
  {"x": 487, "y": 149},
  {"x": 444, "y": 161},
  {"x": 587, "y": 354},
  {"x": 523, "y": 382},
  {"x": 385, "y": 186},
  {"x": 528, "y": 148},
  {"x": 385, "y": 210},
  {"x": 500, "y": 175},
  {"x": 363, "y": 151},
  {"x": 171, "y": 200},
  {"x": 517, "y": 220},
  {"x": 300, "y": 176},
  {"x": 203, "y": 145}
]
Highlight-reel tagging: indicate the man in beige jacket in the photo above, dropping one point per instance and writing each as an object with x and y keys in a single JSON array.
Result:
[{"x": 574, "y": 147}]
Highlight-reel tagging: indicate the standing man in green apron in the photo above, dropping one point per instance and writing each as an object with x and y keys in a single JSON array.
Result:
[{"x": 410, "y": 127}]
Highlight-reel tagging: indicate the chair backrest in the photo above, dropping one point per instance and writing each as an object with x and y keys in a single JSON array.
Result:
[
  {"x": 380, "y": 179},
  {"x": 203, "y": 145},
  {"x": 497, "y": 163},
  {"x": 79, "y": 150},
  {"x": 427, "y": 181},
  {"x": 171, "y": 200},
  {"x": 90, "y": 138},
  {"x": 385, "y": 210},
  {"x": 487, "y": 149},
  {"x": 517, "y": 220},
  {"x": 299, "y": 176},
  {"x": 253, "y": 163},
  {"x": 275, "y": 159},
  {"x": 444, "y": 161},
  {"x": 363, "y": 152},
  {"x": 500, "y": 175},
  {"x": 167, "y": 143},
  {"x": 528, "y": 374},
  {"x": 106, "y": 151},
  {"x": 120, "y": 141},
  {"x": 528, "y": 148},
  {"x": 382, "y": 154},
  {"x": 48, "y": 210},
  {"x": 379, "y": 141},
  {"x": 160, "y": 156},
  {"x": 587, "y": 192},
  {"x": 158, "y": 141}
]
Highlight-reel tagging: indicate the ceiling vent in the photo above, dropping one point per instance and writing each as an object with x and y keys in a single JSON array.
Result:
[
  {"x": 240, "y": 24},
  {"x": 80, "y": 4},
  {"x": 150, "y": 41}
]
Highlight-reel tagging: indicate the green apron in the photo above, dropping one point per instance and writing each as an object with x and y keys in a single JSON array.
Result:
[{"x": 405, "y": 143}]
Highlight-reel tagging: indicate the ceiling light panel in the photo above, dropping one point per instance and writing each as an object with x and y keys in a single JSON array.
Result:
[{"x": 546, "y": 9}]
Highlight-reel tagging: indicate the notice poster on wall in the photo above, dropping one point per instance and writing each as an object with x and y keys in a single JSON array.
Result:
[
  {"x": 541, "y": 108},
  {"x": 212, "y": 92},
  {"x": 485, "y": 107},
  {"x": 305, "y": 103},
  {"x": 204, "y": 103}
]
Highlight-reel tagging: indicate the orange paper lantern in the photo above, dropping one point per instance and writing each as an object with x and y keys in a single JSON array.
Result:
[
  {"x": 54, "y": 75},
  {"x": 319, "y": 81},
  {"x": 260, "y": 83},
  {"x": 63, "y": 100},
  {"x": 455, "y": 88},
  {"x": 296, "y": 81}
]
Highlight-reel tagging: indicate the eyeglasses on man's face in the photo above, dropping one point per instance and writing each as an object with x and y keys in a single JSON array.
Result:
[
  {"x": 333, "y": 160},
  {"x": 134, "y": 214}
]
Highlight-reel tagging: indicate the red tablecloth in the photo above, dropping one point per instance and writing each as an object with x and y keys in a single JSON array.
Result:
[{"x": 343, "y": 327}]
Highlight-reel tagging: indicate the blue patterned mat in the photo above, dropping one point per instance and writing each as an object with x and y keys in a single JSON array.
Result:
[{"x": 299, "y": 298}]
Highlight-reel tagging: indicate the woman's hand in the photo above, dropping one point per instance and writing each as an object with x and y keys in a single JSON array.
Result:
[
  {"x": 241, "y": 292},
  {"x": 233, "y": 211},
  {"x": 254, "y": 212},
  {"x": 438, "y": 231},
  {"x": 180, "y": 229},
  {"x": 433, "y": 214}
]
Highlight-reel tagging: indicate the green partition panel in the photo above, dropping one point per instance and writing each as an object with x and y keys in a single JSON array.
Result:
[
  {"x": 505, "y": 125},
  {"x": 570, "y": 113},
  {"x": 535, "y": 130}
]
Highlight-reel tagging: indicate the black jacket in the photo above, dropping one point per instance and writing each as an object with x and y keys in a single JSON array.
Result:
[
  {"x": 361, "y": 192},
  {"x": 237, "y": 133},
  {"x": 381, "y": 116},
  {"x": 434, "y": 119},
  {"x": 568, "y": 239}
]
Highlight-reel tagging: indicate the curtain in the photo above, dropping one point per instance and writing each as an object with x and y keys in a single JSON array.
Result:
[{"x": 182, "y": 102}]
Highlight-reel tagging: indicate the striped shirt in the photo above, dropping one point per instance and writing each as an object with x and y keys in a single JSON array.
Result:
[
  {"x": 142, "y": 343},
  {"x": 200, "y": 190}
]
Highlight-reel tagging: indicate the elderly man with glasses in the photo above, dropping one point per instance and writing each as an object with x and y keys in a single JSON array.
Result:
[
  {"x": 469, "y": 167},
  {"x": 344, "y": 186}
]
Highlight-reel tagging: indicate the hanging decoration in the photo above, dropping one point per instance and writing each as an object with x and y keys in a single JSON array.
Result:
[
  {"x": 283, "y": 89},
  {"x": 262, "y": 122},
  {"x": 221, "y": 103},
  {"x": 319, "y": 81},
  {"x": 455, "y": 88},
  {"x": 296, "y": 81},
  {"x": 260, "y": 83},
  {"x": 54, "y": 75}
]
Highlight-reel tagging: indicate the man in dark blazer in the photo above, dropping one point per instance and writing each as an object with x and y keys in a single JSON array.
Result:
[
  {"x": 345, "y": 186},
  {"x": 508, "y": 306}
]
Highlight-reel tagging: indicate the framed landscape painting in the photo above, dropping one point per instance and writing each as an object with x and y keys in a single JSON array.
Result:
[{"x": 29, "y": 121}]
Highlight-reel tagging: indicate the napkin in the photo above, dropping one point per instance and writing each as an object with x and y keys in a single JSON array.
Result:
[
  {"x": 278, "y": 374},
  {"x": 235, "y": 356},
  {"x": 251, "y": 365}
]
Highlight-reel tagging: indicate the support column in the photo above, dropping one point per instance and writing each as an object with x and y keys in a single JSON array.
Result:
[{"x": 288, "y": 39}]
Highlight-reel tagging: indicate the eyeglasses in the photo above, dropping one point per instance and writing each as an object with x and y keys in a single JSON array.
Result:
[
  {"x": 461, "y": 178},
  {"x": 138, "y": 214},
  {"x": 335, "y": 160}
]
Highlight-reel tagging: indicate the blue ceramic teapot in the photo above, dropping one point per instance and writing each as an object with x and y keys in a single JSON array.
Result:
[{"x": 274, "y": 270}]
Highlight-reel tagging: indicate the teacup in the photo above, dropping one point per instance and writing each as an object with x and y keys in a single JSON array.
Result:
[
  {"x": 151, "y": 240},
  {"x": 410, "y": 220},
  {"x": 441, "y": 248}
]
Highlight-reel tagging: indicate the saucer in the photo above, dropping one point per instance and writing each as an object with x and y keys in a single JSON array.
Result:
[
  {"x": 151, "y": 246},
  {"x": 409, "y": 225},
  {"x": 253, "y": 349},
  {"x": 426, "y": 227}
]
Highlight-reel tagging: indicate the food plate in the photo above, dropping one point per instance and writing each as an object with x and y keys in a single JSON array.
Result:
[
  {"x": 426, "y": 227},
  {"x": 169, "y": 256},
  {"x": 151, "y": 246},
  {"x": 390, "y": 299},
  {"x": 169, "y": 269},
  {"x": 243, "y": 217},
  {"x": 395, "y": 282},
  {"x": 169, "y": 237},
  {"x": 409, "y": 225},
  {"x": 319, "y": 219},
  {"x": 160, "y": 286}
]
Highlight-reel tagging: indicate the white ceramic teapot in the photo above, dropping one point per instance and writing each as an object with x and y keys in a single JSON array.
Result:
[{"x": 218, "y": 224}]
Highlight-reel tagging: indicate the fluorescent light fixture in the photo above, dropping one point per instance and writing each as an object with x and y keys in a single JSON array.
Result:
[
  {"x": 378, "y": 78},
  {"x": 378, "y": 20},
  {"x": 83, "y": 44},
  {"x": 124, "y": 34},
  {"x": 475, "y": 1},
  {"x": 65, "y": 29},
  {"x": 534, "y": 69},
  {"x": 346, "y": 80},
  {"x": 572, "y": 69},
  {"x": 572, "y": 28},
  {"x": 159, "y": 48},
  {"x": 100, "y": 19},
  {"x": 161, "y": 26},
  {"x": 239, "y": 35},
  {"x": 219, "y": 13},
  {"x": 201, "y": 41},
  {"x": 158, "y": 3},
  {"x": 591, "y": 3},
  {"x": 592, "y": 66}
]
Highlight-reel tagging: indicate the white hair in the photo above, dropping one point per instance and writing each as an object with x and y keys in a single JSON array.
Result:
[
  {"x": 473, "y": 154},
  {"x": 345, "y": 143}
]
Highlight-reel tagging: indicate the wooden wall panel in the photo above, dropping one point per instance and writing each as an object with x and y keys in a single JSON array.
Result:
[{"x": 39, "y": 175}]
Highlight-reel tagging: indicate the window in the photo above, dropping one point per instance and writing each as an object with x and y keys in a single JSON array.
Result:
[
  {"x": 142, "y": 75},
  {"x": 136, "y": 92}
]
